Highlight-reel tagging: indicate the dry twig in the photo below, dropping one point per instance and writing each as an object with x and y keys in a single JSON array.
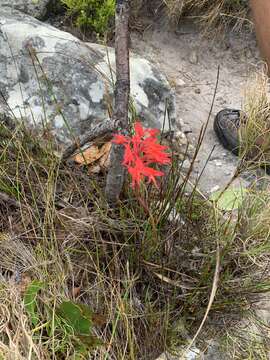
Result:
[{"x": 116, "y": 173}]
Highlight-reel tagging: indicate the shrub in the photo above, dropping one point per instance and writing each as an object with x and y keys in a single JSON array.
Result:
[
  {"x": 93, "y": 14},
  {"x": 214, "y": 12},
  {"x": 209, "y": 13}
]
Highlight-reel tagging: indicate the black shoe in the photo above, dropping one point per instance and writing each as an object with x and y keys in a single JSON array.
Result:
[{"x": 226, "y": 125}]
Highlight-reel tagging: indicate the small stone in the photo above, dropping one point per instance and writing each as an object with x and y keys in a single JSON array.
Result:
[
  {"x": 186, "y": 164},
  {"x": 180, "y": 137},
  {"x": 197, "y": 91},
  {"x": 193, "y": 354},
  {"x": 193, "y": 57},
  {"x": 180, "y": 82},
  {"x": 179, "y": 123}
]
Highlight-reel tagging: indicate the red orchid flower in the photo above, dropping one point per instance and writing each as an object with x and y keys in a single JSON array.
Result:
[{"x": 142, "y": 150}]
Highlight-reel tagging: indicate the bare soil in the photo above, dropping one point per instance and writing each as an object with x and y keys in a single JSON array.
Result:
[{"x": 191, "y": 61}]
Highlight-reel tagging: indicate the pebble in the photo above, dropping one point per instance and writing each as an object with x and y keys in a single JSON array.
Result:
[
  {"x": 193, "y": 354},
  {"x": 193, "y": 57},
  {"x": 179, "y": 135},
  {"x": 186, "y": 164},
  {"x": 180, "y": 82},
  {"x": 179, "y": 123}
]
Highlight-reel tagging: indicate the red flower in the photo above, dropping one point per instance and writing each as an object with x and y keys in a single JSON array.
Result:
[{"x": 142, "y": 150}]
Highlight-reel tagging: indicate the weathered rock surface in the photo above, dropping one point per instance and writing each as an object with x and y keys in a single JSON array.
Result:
[
  {"x": 51, "y": 79},
  {"x": 35, "y": 8},
  {"x": 212, "y": 353}
]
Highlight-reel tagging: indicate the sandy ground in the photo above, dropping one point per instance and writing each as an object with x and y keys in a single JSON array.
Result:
[{"x": 191, "y": 61}]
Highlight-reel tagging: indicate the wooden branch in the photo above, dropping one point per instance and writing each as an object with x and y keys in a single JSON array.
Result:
[{"x": 116, "y": 173}]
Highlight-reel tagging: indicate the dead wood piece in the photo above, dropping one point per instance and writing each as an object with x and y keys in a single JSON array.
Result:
[
  {"x": 103, "y": 130},
  {"x": 116, "y": 173}
]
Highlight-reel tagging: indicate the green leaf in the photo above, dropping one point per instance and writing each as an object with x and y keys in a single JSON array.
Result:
[
  {"x": 86, "y": 343},
  {"x": 80, "y": 319},
  {"x": 30, "y": 300},
  {"x": 77, "y": 316},
  {"x": 230, "y": 199}
]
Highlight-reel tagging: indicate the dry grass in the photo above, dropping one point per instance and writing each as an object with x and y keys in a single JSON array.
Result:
[
  {"x": 209, "y": 13},
  {"x": 254, "y": 135},
  {"x": 146, "y": 271},
  {"x": 147, "y": 275}
]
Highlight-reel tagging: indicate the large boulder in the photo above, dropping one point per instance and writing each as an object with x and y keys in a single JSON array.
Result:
[
  {"x": 35, "y": 8},
  {"x": 50, "y": 78}
]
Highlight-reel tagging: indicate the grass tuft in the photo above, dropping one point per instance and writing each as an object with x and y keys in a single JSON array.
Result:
[
  {"x": 255, "y": 124},
  {"x": 211, "y": 14},
  {"x": 144, "y": 271}
]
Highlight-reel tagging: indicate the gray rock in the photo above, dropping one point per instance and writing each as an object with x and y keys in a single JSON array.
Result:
[
  {"x": 49, "y": 78},
  {"x": 192, "y": 354},
  {"x": 35, "y": 8},
  {"x": 213, "y": 353}
]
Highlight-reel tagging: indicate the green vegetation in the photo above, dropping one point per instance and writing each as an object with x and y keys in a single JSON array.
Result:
[
  {"x": 81, "y": 280},
  {"x": 97, "y": 14},
  {"x": 92, "y": 14},
  {"x": 128, "y": 283},
  {"x": 255, "y": 131}
]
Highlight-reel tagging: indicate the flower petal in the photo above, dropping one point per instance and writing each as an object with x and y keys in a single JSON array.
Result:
[
  {"x": 139, "y": 130},
  {"x": 120, "y": 139}
]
